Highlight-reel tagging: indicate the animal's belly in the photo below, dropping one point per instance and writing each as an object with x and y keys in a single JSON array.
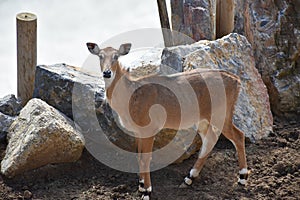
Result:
[{"x": 183, "y": 123}]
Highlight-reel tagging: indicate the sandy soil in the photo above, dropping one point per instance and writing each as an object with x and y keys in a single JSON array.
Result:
[{"x": 274, "y": 162}]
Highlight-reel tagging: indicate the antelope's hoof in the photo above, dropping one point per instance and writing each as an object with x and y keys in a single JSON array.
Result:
[
  {"x": 243, "y": 176},
  {"x": 186, "y": 182},
  {"x": 145, "y": 197},
  {"x": 242, "y": 182}
]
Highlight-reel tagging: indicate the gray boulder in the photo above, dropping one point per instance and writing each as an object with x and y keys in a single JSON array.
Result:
[
  {"x": 79, "y": 95},
  {"x": 5, "y": 122},
  {"x": 10, "y": 105},
  {"x": 39, "y": 136},
  {"x": 232, "y": 53}
]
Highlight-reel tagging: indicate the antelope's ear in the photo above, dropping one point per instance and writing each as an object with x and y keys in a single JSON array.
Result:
[
  {"x": 93, "y": 48},
  {"x": 124, "y": 49}
]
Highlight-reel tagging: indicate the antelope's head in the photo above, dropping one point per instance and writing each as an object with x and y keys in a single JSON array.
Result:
[{"x": 108, "y": 59}]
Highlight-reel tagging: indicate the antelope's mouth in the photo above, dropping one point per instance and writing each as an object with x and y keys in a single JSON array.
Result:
[{"x": 106, "y": 75}]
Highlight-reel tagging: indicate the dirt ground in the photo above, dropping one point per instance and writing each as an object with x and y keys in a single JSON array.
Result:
[{"x": 274, "y": 162}]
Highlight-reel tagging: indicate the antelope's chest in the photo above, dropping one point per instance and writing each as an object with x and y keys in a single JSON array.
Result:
[{"x": 122, "y": 116}]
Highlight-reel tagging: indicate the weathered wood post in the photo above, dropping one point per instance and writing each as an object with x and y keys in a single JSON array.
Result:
[
  {"x": 26, "y": 54},
  {"x": 225, "y": 17},
  {"x": 165, "y": 23}
]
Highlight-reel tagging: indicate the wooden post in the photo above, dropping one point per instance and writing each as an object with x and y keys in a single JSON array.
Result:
[
  {"x": 165, "y": 23},
  {"x": 26, "y": 54},
  {"x": 213, "y": 14},
  {"x": 225, "y": 17}
]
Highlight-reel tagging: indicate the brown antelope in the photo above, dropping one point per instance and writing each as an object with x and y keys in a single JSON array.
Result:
[{"x": 146, "y": 96}]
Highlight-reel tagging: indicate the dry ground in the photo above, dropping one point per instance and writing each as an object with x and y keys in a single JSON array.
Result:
[{"x": 274, "y": 161}]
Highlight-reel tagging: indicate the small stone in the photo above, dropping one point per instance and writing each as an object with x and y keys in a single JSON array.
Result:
[
  {"x": 27, "y": 194},
  {"x": 25, "y": 188},
  {"x": 99, "y": 192}
]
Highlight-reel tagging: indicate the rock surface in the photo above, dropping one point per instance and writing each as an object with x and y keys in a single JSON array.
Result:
[
  {"x": 232, "y": 53},
  {"x": 39, "y": 136},
  {"x": 273, "y": 29},
  {"x": 10, "y": 105},
  {"x": 239, "y": 7},
  {"x": 193, "y": 18},
  {"x": 5, "y": 122},
  {"x": 80, "y": 95}
]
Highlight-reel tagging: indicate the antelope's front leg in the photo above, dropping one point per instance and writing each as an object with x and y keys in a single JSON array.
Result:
[
  {"x": 145, "y": 158},
  {"x": 138, "y": 143}
]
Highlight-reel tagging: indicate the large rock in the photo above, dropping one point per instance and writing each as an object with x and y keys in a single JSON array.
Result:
[
  {"x": 239, "y": 9},
  {"x": 10, "y": 105},
  {"x": 273, "y": 29},
  {"x": 39, "y": 136},
  {"x": 80, "y": 95},
  {"x": 65, "y": 87},
  {"x": 232, "y": 53},
  {"x": 5, "y": 122},
  {"x": 193, "y": 18}
]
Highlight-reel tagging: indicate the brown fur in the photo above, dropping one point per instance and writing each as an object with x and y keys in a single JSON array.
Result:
[
  {"x": 145, "y": 95},
  {"x": 148, "y": 104}
]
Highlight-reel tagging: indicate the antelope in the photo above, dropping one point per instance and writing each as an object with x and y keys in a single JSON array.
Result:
[{"x": 145, "y": 97}]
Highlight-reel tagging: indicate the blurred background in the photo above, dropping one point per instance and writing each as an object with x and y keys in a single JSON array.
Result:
[{"x": 63, "y": 28}]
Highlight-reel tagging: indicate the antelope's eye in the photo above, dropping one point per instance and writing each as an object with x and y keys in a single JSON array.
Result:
[
  {"x": 115, "y": 56},
  {"x": 101, "y": 56}
]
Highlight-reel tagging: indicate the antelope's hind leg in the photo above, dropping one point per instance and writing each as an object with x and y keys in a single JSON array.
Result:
[
  {"x": 209, "y": 139},
  {"x": 237, "y": 137}
]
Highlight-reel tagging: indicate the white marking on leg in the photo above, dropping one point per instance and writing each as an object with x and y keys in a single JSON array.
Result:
[
  {"x": 141, "y": 189},
  {"x": 203, "y": 148},
  {"x": 149, "y": 189},
  {"x": 141, "y": 185},
  {"x": 243, "y": 171},
  {"x": 147, "y": 196},
  {"x": 242, "y": 181},
  {"x": 194, "y": 173}
]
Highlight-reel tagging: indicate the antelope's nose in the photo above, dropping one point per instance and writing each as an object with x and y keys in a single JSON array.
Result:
[{"x": 107, "y": 74}]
